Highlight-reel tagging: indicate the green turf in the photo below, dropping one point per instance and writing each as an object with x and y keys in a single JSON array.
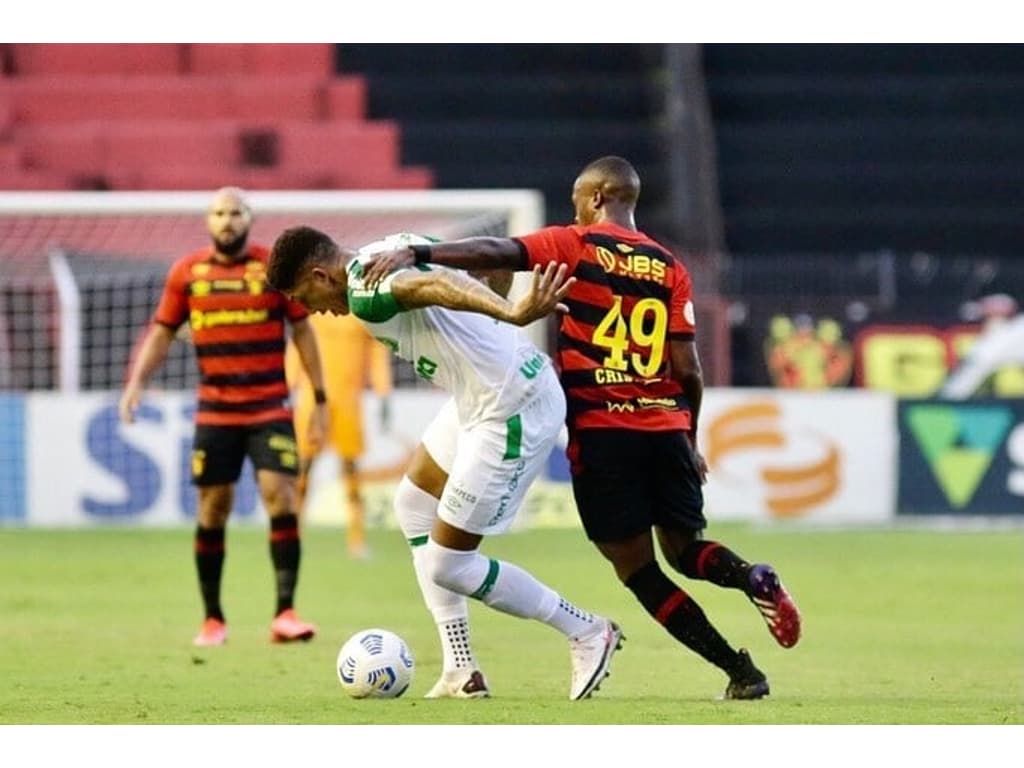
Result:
[{"x": 901, "y": 627}]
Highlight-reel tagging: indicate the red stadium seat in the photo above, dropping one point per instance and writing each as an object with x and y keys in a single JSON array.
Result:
[
  {"x": 10, "y": 156},
  {"x": 66, "y": 99},
  {"x": 191, "y": 116},
  {"x": 346, "y": 98},
  {"x": 97, "y": 59},
  {"x": 263, "y": 59},
  {"x": 340, "y": 146}
]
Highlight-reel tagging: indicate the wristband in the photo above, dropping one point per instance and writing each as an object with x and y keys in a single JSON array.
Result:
[
  {"x": 420, "y": 254},
  {"x": 319, "y": 396}
]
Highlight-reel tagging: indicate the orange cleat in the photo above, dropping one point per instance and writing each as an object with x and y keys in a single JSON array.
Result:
[
  {"x": 287, "y": 627},
  {"x": 213, "y": 632}
]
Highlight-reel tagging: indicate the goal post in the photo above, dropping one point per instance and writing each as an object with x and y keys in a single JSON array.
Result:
[{"x": 66, "y": 258}]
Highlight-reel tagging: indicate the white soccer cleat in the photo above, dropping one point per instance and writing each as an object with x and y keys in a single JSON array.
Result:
[
  {"x": 462, "y": 684},
  {"x": 592, "y": 657}
]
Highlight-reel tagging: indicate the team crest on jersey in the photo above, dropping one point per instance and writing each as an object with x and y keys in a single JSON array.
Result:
[
  {"x": 200, "y": 269},
  {"x": 255, "y": 277}
]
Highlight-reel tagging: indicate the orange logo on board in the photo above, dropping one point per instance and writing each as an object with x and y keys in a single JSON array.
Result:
[{"x": 790, "y": 490}]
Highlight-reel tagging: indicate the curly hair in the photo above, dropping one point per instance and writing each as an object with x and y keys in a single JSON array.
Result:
[{"x": 296, "y": 249}]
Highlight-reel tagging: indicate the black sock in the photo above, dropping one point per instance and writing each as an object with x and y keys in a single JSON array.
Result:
[
  {"x": 209, "y": 554},
  {"x": 285, "y": 552},
  {"x": 711, "y": 561},
  {"x": 680, "y": 615}
]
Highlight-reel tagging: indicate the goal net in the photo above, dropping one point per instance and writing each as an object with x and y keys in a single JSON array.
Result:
[
  {"x": 81, "y": 272},
  {"x": 80, "y": 276}
]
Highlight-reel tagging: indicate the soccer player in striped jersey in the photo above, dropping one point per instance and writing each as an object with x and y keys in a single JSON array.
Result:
[
  {"x": 629, "y": 366},
  {"x": 237, "y": 323},
  {"x": 510, "y": 410}
]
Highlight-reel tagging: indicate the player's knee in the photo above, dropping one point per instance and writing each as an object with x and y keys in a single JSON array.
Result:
[
  {"x": 415, "y": 509},
  {"x": 682, "y": 550},
  {"x": 453, "y": 569}
]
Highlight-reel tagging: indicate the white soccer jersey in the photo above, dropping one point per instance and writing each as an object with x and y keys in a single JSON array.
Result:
[{"x": 490, "y": 367}]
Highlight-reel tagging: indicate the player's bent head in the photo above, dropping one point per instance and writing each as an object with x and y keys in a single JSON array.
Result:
[
  {"x": 614, "y": 176},
  {"x": 295, "y": 252}
]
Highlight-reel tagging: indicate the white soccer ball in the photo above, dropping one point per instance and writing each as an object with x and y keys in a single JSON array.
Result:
[{"x": 375, "y": 664}]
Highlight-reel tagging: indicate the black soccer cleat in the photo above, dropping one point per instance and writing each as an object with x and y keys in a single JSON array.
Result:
[{"x": 746, "y": 681}]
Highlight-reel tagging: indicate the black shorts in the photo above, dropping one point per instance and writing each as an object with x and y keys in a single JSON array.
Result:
[
  {"x": 626, "y": 481},
  {"x": 218, "y": 452}
]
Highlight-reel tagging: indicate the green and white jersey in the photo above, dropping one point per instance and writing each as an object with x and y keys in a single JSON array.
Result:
[{"x": 490, "y": 367}]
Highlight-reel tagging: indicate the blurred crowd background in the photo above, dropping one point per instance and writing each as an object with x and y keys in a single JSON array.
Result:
[{"x": 846, "y": 209}]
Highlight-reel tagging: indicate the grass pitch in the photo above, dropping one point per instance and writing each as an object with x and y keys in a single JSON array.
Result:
[{"x": 900, "y": 627}]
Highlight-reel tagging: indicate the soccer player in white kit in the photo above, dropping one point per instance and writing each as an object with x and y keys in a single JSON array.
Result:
[{"x": 460, "y": 335}]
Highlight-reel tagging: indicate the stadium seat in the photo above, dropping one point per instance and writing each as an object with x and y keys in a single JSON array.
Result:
[
  {"x": 340, "y": 146},
  {"x": 144, "y": 145},
  {"x": 96, "y": 59},
  {"x": 36, "y": 181},
  {"x": 69, "y": 148},
  {"x": 10, "y": 156},
  {"x": 261, "y": 59},
  {"x": 346, "y": 98},
  {"x": 105, "y": 97},
  {"x": 193, "y": 116}
]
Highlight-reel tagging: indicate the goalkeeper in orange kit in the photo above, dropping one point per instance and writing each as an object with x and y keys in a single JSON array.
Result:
[{"x": 351, "y": 359}]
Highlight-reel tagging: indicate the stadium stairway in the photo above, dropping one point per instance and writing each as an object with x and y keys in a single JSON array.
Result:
[
  {"x": 520, "y": 115},
  {"x": 846, "y": 148},
  {"x": 191, "y": 116}
]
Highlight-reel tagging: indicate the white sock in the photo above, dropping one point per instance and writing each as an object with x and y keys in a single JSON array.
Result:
[
  {"x": 416, "y": 510},
  {"x": 505, "y": 587}
]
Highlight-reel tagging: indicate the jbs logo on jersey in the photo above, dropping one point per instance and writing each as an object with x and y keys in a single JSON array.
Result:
[{"x": 637, "y": 265}]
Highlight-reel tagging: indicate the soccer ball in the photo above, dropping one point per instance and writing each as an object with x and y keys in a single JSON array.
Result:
[{"x": 375, "y": 664}]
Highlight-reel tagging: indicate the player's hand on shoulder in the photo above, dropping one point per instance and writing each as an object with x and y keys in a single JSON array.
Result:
[{"x": 380, "y": 265}]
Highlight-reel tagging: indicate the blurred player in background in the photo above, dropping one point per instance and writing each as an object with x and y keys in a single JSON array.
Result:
[
  {"x": 238, "y": 327},
  {"x": 351, "y": 359},
  {"x": 628, "y": 363},
  {"x": 510, "y": 411},
  {"x": 999, "y": 345}
]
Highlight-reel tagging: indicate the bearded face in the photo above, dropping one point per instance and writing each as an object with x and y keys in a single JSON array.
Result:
[{"x": 228, "y": 222}]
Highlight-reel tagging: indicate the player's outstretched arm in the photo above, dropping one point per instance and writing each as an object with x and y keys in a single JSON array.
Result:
[
  {"x": 471, "y": 253},
  {"x": 456, "y": 290}
]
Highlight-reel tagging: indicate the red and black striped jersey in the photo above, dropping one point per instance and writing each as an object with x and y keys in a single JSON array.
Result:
[
  {"x": 237, "y": 326},
  {"x": 630, "y": 298}
]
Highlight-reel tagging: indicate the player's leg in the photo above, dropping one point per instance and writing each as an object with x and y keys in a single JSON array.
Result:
[
  {"x": 300, "y": 420},
  {"x": 217, "y": 455},
  {"x": 347, "y": 439},
  {"x": 273, "y": 452},
  {"x": 416, "y": 500},
  {"x": 355, "y": 511},
  {"x": 681, "y": 521},
  {"x": 494, "y": 467},
  {"x": 618, "y": 483}
]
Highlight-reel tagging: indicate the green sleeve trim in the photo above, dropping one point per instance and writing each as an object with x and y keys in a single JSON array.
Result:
[{"x": 374, "y": 306}]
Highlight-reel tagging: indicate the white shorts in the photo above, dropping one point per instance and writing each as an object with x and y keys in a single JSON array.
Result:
[
  {"x": 496, "y": 461},
  {"x": 442, "y": 436}
]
